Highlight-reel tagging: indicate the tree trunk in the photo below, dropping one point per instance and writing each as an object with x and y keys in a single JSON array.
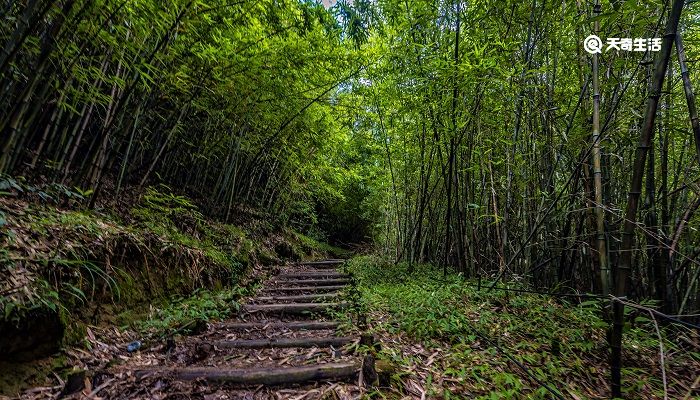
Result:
[
  {"x": 601, "y": 242},
  {"x": 645, "y": 141}
]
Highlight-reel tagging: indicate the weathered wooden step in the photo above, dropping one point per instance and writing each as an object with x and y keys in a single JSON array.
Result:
[
  {"x": 292, "y": 326},
  {"x": 310, "y": 275},
  {"x": 260, "y": 376},
  {"x": 322, "y": 264},
  {"x": 301, "y": 297},
  {"x": 315, "y": 282},
  {"x": 307, "y": 289},
  {"x": 332, "y": 261},
  {"x": 324, "y": 267},
  {"x": 293, "y": 308},
  {"x": 284, "y": 342}
]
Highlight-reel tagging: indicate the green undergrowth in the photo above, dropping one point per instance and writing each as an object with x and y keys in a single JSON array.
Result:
[
  {"x": 310, "y": 245},
  {"x": 182, "y": 314},
  {"x": 162, "y": 260},
  {"x": 177, "y": 220},
  {"x": 560, "y": 343}
]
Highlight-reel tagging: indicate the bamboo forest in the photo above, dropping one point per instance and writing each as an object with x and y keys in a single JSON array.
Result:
[{"x": 349, "y": 199}]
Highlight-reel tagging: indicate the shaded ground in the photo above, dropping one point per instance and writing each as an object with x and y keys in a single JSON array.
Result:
[
  {"x": 428, "y": 330},
  {"x": 112, "y": 371}
]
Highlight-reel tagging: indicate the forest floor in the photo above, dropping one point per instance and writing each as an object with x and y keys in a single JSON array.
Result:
[
  {"x": 439, "y": 339},
  {"x": 161, "y": 275},
  {"x": 218, "y": 351},
  {"x": 73, "y": 280},
  {"x": 449, "y": 340}
]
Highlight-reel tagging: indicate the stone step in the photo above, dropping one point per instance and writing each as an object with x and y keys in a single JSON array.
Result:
[
  {"x": 313, "y": 282},
  {"x": 311, "y": 275}
]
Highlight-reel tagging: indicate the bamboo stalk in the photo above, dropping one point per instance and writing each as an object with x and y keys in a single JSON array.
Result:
[
  {"x": 601, "y": 242},
  {"x": 645, "y": 140},
  {"x": 689, "y": 95}
]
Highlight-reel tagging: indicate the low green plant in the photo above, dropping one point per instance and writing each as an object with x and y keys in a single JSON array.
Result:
[
  {"x": 561, "y": 343},
  {"x": 202, "y": 305},
  {"x": 48, "y": 192},
  {"x": 43, "y": 295},
  {"x": 311, "y": 244},
  {"x": 176, "y": 219}
]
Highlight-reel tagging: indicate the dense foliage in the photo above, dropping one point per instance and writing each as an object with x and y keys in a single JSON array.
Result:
[
  {"x": 470, "y": 125},
  {"x": 477, "y": 136},
  {"x": 486, "y": 112},
  {"x": 231, "y": 102}
]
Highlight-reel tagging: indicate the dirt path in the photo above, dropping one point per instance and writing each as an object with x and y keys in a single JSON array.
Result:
[{"x": 291, "y": 341}]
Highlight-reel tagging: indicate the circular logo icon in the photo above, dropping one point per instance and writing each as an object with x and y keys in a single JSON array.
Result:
[{"x": 593, "y": 44}]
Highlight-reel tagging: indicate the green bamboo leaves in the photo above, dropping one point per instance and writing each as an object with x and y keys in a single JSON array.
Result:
[{"x": 185, "y": 92}]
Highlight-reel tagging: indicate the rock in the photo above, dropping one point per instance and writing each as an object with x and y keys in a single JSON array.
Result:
[
  {"x": 369, "y": 372},
  {"x": 285, "y": 250},
  {"x": 169, "y": 345},
  {"x": 37, "y": 334},
  {"x": 75, "y": 382}
]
